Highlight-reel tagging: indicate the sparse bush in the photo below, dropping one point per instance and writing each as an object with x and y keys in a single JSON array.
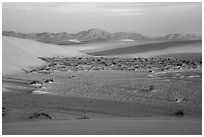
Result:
[
  {"x": 35, "y": 82},
  {"x": 151, "y": 88},
  {"x": 4, "y": 111},
  {"x": 179, "y": 113},
  {"x": 49, "y": 80},
  {"x": 38, "y": 115},
  {"x": 83, "y": 118}
]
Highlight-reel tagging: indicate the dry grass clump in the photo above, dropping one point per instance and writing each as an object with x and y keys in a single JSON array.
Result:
[
  {"x": 179, "y": 113},
  {"x": 149, "y": 89},
  {"x": 40, "y": 115}
]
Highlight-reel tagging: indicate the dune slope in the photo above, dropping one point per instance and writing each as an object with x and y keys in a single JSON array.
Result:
[
  {"x": 18, "y": 53},
  {"x": 155, "y": 48},
  {"x": 14, "y": 59}
]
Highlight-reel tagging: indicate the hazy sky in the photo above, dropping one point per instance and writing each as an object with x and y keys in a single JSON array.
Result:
[{"x": 152, "y": 19}]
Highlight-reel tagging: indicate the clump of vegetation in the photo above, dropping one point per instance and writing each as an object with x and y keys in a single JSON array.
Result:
[
  {"x": 40, "y": 115},
  {"x": 179, "y": 99},
  {"x": 35, "y": 82},
  {"x": 4, "y": 111},
  {"x": 151, "y": 88},
  {"x": 49, "y": 81},
  {"x": 179, "y": 113},
  {"x": 84, "y": 118}
]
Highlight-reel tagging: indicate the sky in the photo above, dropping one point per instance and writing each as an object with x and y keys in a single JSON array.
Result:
[{"x": 151, "y": 19}]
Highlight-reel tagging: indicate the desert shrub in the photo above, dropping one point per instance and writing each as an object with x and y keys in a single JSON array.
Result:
[
  {"x": 179, "y": 113},
  {"x": 38, "y": 115},
  {"x": 49, "y": 80},
  {"x": 4, "y": 111},
  {"x": 151, "y": 87},
  {"x": 84, "y": 118},
  {"x": 35, "y": 82}
]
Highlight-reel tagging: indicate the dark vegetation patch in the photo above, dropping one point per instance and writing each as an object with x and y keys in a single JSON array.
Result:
[
  {"x": 49, "y": 81},
  {"x": 40, "y": 116},
  {"x": 35, "y": 82},
  {"x": 179, "y": 113},
  {"x": 84, "y": 118},
  {"x": 4, "y": 112},
  {"x": 149, "y": 89},
  {"x": 126, "y": 64}
]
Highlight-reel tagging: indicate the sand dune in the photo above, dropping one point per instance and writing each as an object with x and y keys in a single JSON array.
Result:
[
  {"x": 108, "y": 45},
  {"x": 153, "y": 49},
  {"x": 124, "y": 126},
  {"x": 20, "y": 53},
  {"x": 188, "y": 49},
  {"x": 14, "y": 59}
]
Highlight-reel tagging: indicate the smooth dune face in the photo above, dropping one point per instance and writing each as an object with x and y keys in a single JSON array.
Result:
[
  {"x": 108, "y": 45},
  {"x": 14, "y": 59},
  {"x": 153, "y": 49},
  {"x": 41, "y": 49},
  {"x": 19, "y": 54},
  {"x": 166, "y": 51}
]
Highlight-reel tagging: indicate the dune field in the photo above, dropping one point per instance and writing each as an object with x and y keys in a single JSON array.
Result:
[
  {"x": 28, "y": 51},
  {"x": 102, "y": 68},
  {"x": 86, "y": 94}
]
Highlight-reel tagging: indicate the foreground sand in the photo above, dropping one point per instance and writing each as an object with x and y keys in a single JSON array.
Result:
[
  {"x": 127, "y": 113},
  {"x": 113, "y": 126}
]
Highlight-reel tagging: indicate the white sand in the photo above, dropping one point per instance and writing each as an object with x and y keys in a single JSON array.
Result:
[
  {"x": 19, "y": 54},
  {"x": 110, "y": 126}
]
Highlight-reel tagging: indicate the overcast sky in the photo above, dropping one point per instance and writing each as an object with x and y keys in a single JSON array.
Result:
[{"x": 152, "y": 19}]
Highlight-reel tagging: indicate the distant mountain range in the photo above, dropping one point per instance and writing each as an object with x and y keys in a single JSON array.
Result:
[{"x": 92, "y": 35}]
